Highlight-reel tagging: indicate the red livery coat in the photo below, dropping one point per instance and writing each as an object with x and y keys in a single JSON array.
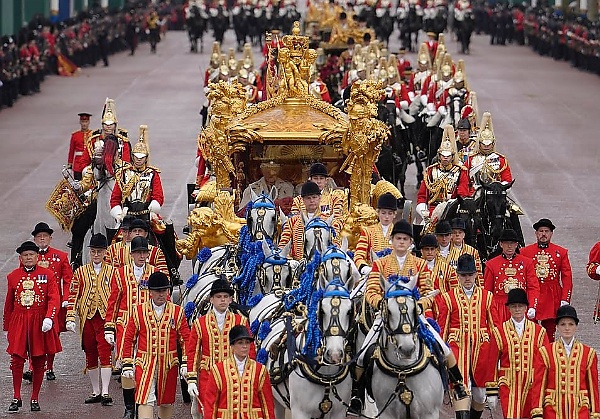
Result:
[
  {"x": 79, "y": 154},
  {"x": 31, "y": 297},
  {"x": 58, "y": 262}
]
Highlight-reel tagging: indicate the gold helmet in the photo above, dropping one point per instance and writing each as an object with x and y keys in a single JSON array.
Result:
[
  {"x": 215, "y": 56},
  {"x": 446, "y": 68},
  {"x": 392, "y": 68},
  {"x": 441, "y": 40},
  {"x": 424, "y": 57},
  {"x": 141, "y": 148},
  {"x": 248, "y": 62},
  {"x": 439, "y": 57},
  {"x": 486, "y": 130},
  {"x": 109, "y": 113},
  {"x": 232, "y": 61},
  {"x": 448, "y": 145},
  {"x": 223, "y": 67},
  {"x": 460, "y": 76}
]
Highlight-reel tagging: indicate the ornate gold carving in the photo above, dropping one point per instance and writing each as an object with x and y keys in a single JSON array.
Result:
[
  {"x": 362, "y": 215},
  {"x": 64, "y": 204}
]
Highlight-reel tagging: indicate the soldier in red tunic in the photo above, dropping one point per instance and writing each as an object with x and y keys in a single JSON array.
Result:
[
  {"x": 508, "y": 271},
  {"x": 58, "y": 262},
  {"x": 553, "y": 270},
  {"x": 239, "y": 386},
  {"x": 565, "y": 385},
  {"x": 209, "y": 341},
  {"x": 30, "y": 310},
  {"x": 516, "y": 344},
  {"x": 80, "y": 148},
  {"x": 90, "y": 289},
  {"x": 155, "y": 328}
]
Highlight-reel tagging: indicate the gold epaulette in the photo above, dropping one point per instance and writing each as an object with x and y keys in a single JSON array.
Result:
[
  {"x": 110, "y": 327},
  {"x": 96, "y": 132}
]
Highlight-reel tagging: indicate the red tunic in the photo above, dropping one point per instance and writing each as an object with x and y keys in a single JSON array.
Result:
[
  {"x": 457, "y": 184},
  {"x": 229, "y": 396},
  {"x": 58, "y": 262},
  {"x": 30, "y": 298},
  {"x": 79, "y": 154},
  {"x": 565, "y": 387},
  {"x": 153, "y": 190},
  {"x": 467, "y": 325},
  {"x": 553, "y": 270},
  {"x": 516, "y": 355},
  {"x": 156, "y": 356},
  {"x": 118, "y": 255},
  {"x": 501, "y": 275},
  {"x": 594, "y": 262}
]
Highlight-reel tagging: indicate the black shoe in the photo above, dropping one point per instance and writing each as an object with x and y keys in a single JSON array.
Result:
[
  {"x": 50, "y": 376},
  {"x": 15, "y": 404},
  {"x": 35, "y": 406},
  {"x": 129, "y": 412},
  {"x": 106, "y": 400},
  {"x": 94, "y": 398},
  {"x": 355, "y": 407},
  {"x": 459, "y": 391},
  {"x": 28, "y": 376}
]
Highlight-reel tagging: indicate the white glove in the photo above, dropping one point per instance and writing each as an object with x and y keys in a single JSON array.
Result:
[
  {"x": 432, "y": 294},
  {"x": 117, "y": 213},
  {"x": 404, "y": 104},
  {"x": 154, "y": 206},
  {"x": 71, "y": 326},
  {"x": 365, "y": 270},
  {"x": 422, "y": 210},
  {"x": 598, "y": 270},
  {"x": 424, "y": 100},
  {"x": 442, "y": 110},
  {"x": 65, "y": 303},
  {"x": 193, "y": 389},
  {"x": 46, "y": 325},
  {"x": 6, "y": 334},
  {"x": 127, "y": 374},
  {"x": 492, "y": 402},
  {"x": 183, "y": 371},
  {"x": 109, "y": 338},
  {"x": 564, "y": 303},
  {"x": 531, "y": 313}
]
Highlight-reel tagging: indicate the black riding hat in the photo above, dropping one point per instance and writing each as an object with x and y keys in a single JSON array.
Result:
[
  {"x": 517, "y": 296},
  {"x": 139, "y": 223},
  {"x": 239, "y": 332},
  {"x": 318, "y": 169},
  {"x": 221, "y": 285},
  {"x": 509, "y": 235},
  {"x": 139, "y": 243},
  {"x": 158, "y": 281},
  {"x": 387, "y": 201},
  {"x": 403, "y": 227},
  {"x": 458, "y": 223},
  {"x": 98, "y": 241},
  {"x": 443, "y": 228},
  {"x": 428, "y": 240},
  {"x": 310, "y": 188},
  {"x": 544, "y": 222},
  {"x": 463, "y": 124},
  {"x": 466, "y": 264},
  {"x": 41, "y": 228},
  {"x": 566, "y": 311}
]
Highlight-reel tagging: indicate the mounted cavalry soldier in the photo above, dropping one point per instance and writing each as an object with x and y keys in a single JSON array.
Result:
[
  {"x": 399, "y": 263},
  {"x": 553, "y": 270},
  {"x": 138, "y": 190},
  {"x": 109, "y": 126}
]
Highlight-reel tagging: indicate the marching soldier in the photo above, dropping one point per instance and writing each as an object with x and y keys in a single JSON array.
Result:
[
  {"x": 376, "y": 238},
  {"x": 128, "y": 288},
  {"x": 80, "y": 152},
  {"x": 293, "y": 230},
  {"x": 153, "y": 25},
  {"x": 330, "y": 203},
  {"x": 442, "y": 274},
  {"x": 459, "y": 247},
  {"x": 465, "y": 318},
  {"x": 209, "y": 343},
  {"x": 553, "y": 270},
  {"x": 508, "y": 271},
  {"x": 516, "y": 345},
  {"x": 565, "y": 384},
  {"x": 58, "y": 262},
  {"x": 154, "y": 328},
  {"x": 443, "y": 180},
  {"x": 30, "y": 310},
  {"x": 119, "y": 253},
  {"x": 239, "y": 383},
  {"x": 88, "y": 300},
  {"x": 138, "y": 186}
]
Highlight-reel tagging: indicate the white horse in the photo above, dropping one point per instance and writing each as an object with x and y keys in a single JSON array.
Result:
[
  {"x": 404, "y": 381},
  {"x": 317, "y": 235}
]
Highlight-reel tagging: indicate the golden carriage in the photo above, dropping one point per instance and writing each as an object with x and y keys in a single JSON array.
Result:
[{"x": 293, "y": 129}]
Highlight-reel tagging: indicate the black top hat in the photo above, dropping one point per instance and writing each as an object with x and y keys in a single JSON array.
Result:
[
  {"x": 158, "y": 281},
  {"x": 41, "y": 228},
  {"x": 544, "y": 222},
  {"x": 458, "y": 223},
  {"x": 139, "y": 243},
  {"x": 466, "y": 264},
  {"x": 318, "y": 169},
  {"x": 509, "y": 235},
  {"x": 139, "y": 223},
  {"x": 239, "y": 332},
  {"x": 387, "y": 201},
  {"x": 403, "y": 227},
  {"x": 428, "y": 240},
  {"x": 463, "y": 124},
  {"x": 221, "y": 285},
  {"x": 28, "y": 245},
  {"x": 517, "y": 296},
  {"x": 126, "y": 223},
  {"x": 443, "y": 228},
  {"x": 566, "y": 311},
  {"x": 310, "y": 188},
  {"x": 98, "y": 241}
]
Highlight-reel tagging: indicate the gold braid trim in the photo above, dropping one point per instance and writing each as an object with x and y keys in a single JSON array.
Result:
[
  {"x": 127, "y": 188},
  {"x": 439, "y": 187}
]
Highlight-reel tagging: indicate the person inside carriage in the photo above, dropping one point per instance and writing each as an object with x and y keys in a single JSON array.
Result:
[
  {"x": 400, "y": 262},
  {"x": 270, "y": 178},
  {"x": 376, "y": 238}
]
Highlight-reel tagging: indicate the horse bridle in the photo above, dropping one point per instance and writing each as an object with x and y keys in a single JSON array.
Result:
[
  {"x": 318, "y": 224},
  {"x": 405, "y": 325},
  {"x": 279, "y": 264},
  {"x": 261, "y": 211}
]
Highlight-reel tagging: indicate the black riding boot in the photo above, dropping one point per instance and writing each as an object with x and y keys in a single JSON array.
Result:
[
  {"x": 463, "y": 414},
  {"x": 476, "y": 414},
  {"x": 357, "y": 400},
  {"x": 129, "y": 401},
  {"x": 456, "y": 379}
]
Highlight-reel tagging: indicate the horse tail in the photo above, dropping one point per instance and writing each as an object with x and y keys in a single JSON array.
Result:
[{"x": 110, "y": 149}]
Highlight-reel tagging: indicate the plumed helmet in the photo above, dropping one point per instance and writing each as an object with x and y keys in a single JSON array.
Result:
[
  {"x": 109, "y": 113},
  {"x": 486, "y": 133},
  {"x": 141, "y": 148}
]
